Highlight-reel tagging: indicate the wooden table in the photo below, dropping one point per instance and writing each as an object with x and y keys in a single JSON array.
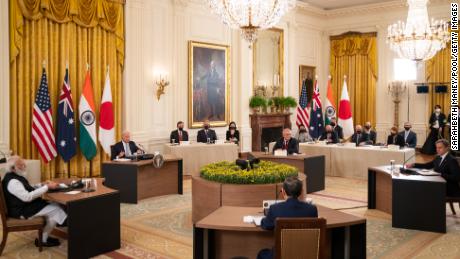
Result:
[
  {"x": 311, "y": 166},
  {"x": 223, "y": 234},
  {"x": 196, "y": 155},
  {"x": 138, "y": 180},
  {"x": 414, "y": 201},
  {"x": 93, "y": 220}
]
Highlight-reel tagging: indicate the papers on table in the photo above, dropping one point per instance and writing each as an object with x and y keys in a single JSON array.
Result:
[
  {"x": 280, "y": 152},
  {"x": 122, "y": 160},
  {"x": 253, "y": 219},
  {"x": 426, "y": 172},
  {"x": 73, "y": 192}
]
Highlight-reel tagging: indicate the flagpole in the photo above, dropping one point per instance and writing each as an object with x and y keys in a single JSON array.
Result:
[
  {"x": 87, "y": 66},
  {"x": 66, "y": 64},
  {"x": 44, "y": 63}
]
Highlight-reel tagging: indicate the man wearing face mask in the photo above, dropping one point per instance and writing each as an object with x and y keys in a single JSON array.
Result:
[
  {"x": 206, "y": 133},
  {"x": 179, "y": 134},
  {"x": 437, "y": 123},
  {"x": 372, "y": 135},
  {"x": 359, "y": 137},
  {"x": 337, "y": 129},
  {"x": 232, "y": 134},
  {"x": 395, "y": 139},
  {"x": 409, "y": 137},
  {"x": 329, "y": 135},
  {"x": 303, "y": 135},
  {"x": 23, "y": 200}
]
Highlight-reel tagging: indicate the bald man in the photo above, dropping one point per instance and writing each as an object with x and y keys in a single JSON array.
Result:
[
  {"x": 125, "y": 148},
  {"x": 359, "y": 137},
  {"x": 23, "y": 200},
  {"x": 287, "y": 142}
]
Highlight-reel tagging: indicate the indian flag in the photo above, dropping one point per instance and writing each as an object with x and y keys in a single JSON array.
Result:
[
  {"x": 330, "y": 108},
  {"x": 87, "y": 120}
]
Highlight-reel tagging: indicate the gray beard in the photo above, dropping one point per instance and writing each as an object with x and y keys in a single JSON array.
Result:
[{"x": 21, "y": 173}]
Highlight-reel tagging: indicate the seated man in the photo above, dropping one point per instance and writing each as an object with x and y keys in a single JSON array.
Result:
[
  {"x": 291, "y": 208},
  {"x": 329, "y": 135},
  {"x": 287, "y": 142},
  {"x": 394, "y": 138},
  {"x": 372, "y": 135},
  {"x": 179, "y": 134},
  {"x": 125, "y": 148},
  {"x": 23, "y": 201},
  {"x": 410, "y": 137},
  {"x": 206, "y": 133},
  {"x": 337, "y": 129},
  {"x": 446, "y": 165},
  {"x": 359, "y": 137}
]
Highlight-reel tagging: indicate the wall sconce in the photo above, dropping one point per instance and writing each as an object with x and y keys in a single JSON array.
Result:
[{"x": 161, "y": 84}]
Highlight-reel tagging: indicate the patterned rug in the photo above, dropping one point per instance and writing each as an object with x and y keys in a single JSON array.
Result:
[{"x": 161, "y": 228}]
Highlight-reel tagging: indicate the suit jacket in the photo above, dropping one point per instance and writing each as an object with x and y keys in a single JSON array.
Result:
[
  {"x": 292, "y": 147},
  {"x": 175, "y": 135},
  {"x": 334, "y": 138},
  {"x": 203, "y": 138},
  {"x": 235, "y": 135},
  {"x": 449, "y": 170},
  {"x": 411, "y": 140},
  {"x": 339, "y": 131},
  {"x": 363, "y": 138},
  {"x": 397, "y": 140},
  {"x": 441, "y": 120},
  {"x": 118, "y": 148},
  {"x": 291, "y": 208},
  {"x": 372, "y": 138}
]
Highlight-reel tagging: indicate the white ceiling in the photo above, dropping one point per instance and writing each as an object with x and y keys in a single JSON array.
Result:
[{"x": 335, "y": 4}]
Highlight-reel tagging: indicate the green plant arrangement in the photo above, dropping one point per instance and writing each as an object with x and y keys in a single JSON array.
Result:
[
  {"x": 277, "y": 103},
  {"x": 256, "y": 102},
  {"x": 290, "y": 102},
  {"x": 265, "y": 173}
]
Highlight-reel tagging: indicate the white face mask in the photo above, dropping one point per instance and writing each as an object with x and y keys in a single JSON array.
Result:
[{"x": 437, "y": 110}]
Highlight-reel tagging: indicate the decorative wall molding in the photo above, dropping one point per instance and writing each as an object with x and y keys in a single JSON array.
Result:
[{"x": 5, "y": 79}]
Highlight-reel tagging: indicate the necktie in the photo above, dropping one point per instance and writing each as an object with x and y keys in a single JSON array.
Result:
[
  {"x": 285, "y": 145},
  {"x": 127, "y": 149},
  {"x": 406, "y": 134},
  {"x": 358, "y": 138},
  {"x": 180, "y": 135}
]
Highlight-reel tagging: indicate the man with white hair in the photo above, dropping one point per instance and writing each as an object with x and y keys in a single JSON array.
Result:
[
  {"x": 125, "y": 148},
  {"x": 24, "y": 201},
  {"x": 287, "y": 142}
]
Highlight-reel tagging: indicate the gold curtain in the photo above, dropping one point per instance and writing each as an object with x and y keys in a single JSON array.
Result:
[
  {"x": 437, "y": 70},
  {"x": 355, "y": 55},
  {"x": 58, "y": 32}
]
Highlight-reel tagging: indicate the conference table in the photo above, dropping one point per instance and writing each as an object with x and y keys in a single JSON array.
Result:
[
  {"x": 413, "y": 201},
  {"x": 93, "y": 220},
  {"x": 138, "y": 180},
  {"x": 353, "y": 162},
  {"x": 196, "y": 155},
  {"x": 223, "y": 234},
  {"x": 311, "y": 166},
  {"x": 33, "y": 170}
]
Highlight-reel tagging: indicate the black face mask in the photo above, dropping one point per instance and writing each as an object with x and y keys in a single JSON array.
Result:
[
  {"x": 333, "y": 124},
  {"x": 358, "y": 132},
  {"x": 206, "y": 126},
  {"x": 233, "y": 128},
  {"x": 393, "y": 133},
  {"x": 367, "y": 127},
  {"x": 181, "y": 128},
  {"x": 407, "y": 128},
  {"x": 303, "y": 130}
]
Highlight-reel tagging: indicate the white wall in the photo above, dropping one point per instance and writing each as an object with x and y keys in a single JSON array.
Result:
[{"x": 5, "y": 78}]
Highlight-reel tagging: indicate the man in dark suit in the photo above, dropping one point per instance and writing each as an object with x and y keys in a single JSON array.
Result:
[
  {"x": 179, "y": 134},
  {"x": 287, "y": 142},
  {"x": 291, "y": 208},
  {"x": 446, "y": 165},
  {"x": 337, "y": 129},
  {"x": 125, "y": 148},
  {"x": 372, "y": 135},
  {"x": 359, "y": 137},
  {"x": 410, "y": 137},
  {"x": 329, "y": 135},
  {"x": 394, "y": 138},
  {"x": 206, "y": 133}
]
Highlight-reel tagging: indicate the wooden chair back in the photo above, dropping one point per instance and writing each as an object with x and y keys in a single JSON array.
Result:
[
  {"x": 3, "y": 207},
  {"x": 300, "y": 238}
]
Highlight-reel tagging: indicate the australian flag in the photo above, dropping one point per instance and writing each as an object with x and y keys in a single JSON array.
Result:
[
  {"x": 66, "y": 141},
  {"x": 316, "y": 115}
]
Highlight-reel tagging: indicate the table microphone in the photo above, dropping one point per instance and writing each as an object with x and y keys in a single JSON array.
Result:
[{"x": 404, "y": 170}]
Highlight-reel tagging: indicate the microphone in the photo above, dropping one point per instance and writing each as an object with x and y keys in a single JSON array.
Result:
[
  {"x": 3, "y": 159},
  {"x": 405, "y": 170},
  {"x": 139, "y": 146}
]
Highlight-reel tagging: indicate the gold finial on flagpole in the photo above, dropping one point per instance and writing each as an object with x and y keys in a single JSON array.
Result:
[
  {"x": 44, "y": 63},
  {"x": 329, "y": 77},
  {"x": 87, "y": 66},
  {"x": 67, "y": 64}
]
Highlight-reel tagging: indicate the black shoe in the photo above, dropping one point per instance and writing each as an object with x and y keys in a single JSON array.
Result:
[{"x": 49, "y": 243}]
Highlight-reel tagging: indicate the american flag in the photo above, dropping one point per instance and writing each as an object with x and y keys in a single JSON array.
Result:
[
  {"x": 303, "y": 109},
  {"x": 42, "y": 122}
]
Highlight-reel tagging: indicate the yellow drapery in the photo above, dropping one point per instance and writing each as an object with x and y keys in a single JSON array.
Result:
[
  {"x": 355, "y": 55},
  {"x": 437, "y": 70},
  {"x": 58, "y": 32}
]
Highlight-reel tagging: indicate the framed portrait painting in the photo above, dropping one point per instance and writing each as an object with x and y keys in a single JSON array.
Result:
[
  {"x": 209, "y": 84},
  {"x": 307, "y": 75}
]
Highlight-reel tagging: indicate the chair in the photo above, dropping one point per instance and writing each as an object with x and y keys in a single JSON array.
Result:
[
  {"x": 451, "y": 201},
  {"x": 112, "y": 152},
  {"x": 16, "y": 225},
  {"x": 300, "y": 238}
]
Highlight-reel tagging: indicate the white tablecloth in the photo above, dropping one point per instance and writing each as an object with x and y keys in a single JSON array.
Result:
[
  {"x": 33, "y": 171},
  {"x": 196, "y": 155},
  {"x": 353, "y": 162}
]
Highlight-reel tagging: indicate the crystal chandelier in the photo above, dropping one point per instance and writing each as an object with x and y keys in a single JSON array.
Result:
[
  {"x": 251, "y": 15},
  {"x": 418, "y": 39}
]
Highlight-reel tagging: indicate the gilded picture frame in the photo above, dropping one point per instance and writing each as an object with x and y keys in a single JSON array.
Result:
[
  {"x": 304, "y": 72},
  {"x": 208, "y": 84}
]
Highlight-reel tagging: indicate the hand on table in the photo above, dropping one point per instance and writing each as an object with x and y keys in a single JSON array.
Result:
[
  {"x": 122, "y": 154},
  {"x": 51, "y": 185},
  {"x": 409, "y": 165}
]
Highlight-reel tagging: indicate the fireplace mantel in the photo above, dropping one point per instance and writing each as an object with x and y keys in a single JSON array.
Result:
[{"x": 272, "y": 120}]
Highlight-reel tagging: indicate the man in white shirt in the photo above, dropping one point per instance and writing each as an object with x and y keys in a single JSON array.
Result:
[
  {"x": 23, "y": 200},
  {"x": 125, "y": 148}
]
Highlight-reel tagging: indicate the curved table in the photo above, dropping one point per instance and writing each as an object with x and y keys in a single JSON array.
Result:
[{"x": 223, "y": 234}]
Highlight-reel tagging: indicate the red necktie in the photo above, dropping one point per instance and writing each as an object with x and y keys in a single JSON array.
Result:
[{"x": 285, "y": 145}]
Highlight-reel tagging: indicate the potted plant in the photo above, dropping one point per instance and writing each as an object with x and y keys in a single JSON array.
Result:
[
  {"x": 271, "y": 104},
  {"x": 289, "y": 102},
  {"x": 256, "y": 102},
  {"x": 277, "y": 103}
]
